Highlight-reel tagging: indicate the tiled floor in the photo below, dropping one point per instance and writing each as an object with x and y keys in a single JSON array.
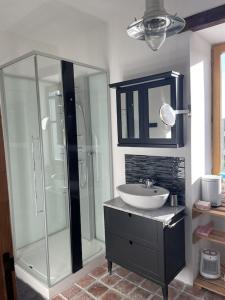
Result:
[{"x": 123, "y": 284}]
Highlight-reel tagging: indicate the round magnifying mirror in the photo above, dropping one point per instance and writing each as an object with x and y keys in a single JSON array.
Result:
[{"x": 167, "y": 115}]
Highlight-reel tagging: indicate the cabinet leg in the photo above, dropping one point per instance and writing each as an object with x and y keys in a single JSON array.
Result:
[
  {"x": 165, "y": 292},
  {"x": 110, "y": 267}
]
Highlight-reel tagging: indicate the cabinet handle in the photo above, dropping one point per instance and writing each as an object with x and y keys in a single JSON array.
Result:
[
  {"x": 130, "y": 242},
  {"x": 174, "y": 224},
  {"x": 130, "y": 215}
]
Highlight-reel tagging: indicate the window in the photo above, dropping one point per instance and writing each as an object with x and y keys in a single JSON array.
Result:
[{"x": 218, "y": 58}]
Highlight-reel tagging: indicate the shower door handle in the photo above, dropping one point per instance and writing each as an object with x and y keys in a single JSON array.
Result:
[
  {"x": 37, "y": 211},
  {"x": 96, "y": 158}
]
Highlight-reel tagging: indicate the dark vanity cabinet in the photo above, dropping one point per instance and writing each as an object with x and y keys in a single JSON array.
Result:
[
  {"x": 138, "y": 106},
  {"x": 145, "y": 246}
]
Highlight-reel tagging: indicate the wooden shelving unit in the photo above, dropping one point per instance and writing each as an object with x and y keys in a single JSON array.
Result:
[
  {"x": 216, "y": 286},
  {"x": 217, "y": 212},
  {"x": 216, "y": 236}
]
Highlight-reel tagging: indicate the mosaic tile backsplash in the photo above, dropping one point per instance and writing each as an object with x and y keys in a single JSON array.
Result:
[{"x": 168, "y": 172}]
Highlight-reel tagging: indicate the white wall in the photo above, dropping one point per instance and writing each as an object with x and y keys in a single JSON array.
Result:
[
  {"x": 57, "y": 29},
  {"x": 201, "y": 163},
  {"x": 14, "y": 45}
]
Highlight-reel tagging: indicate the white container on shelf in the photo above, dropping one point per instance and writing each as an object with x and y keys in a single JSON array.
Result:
[
  {"x": 211, "y": 189},
  {"x": 210, "y": 264}
]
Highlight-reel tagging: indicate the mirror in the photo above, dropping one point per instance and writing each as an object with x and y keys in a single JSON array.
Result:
[
  {"x": 167, "y": 115},
  {"x": 124, "y": 116},
  {"x": 129, "y": 103},
  {"x": 157, "y": 96}
]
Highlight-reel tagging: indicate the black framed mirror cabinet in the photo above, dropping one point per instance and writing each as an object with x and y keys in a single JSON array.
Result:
[{"x": 138, "y": 111}]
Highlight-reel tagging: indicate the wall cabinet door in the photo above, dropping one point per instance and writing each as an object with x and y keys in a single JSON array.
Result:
[
  {"x": 138, "y": 111},
  {"x": 129, "y": 106}
]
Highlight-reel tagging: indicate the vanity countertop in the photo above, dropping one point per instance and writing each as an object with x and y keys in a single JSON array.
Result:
[{"x": 163, "y": 214}]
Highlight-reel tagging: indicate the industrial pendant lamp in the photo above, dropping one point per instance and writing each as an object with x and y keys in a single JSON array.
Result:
[{"x": 156, "y": 25}]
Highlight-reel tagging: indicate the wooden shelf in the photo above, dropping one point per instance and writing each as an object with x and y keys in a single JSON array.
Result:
[
  {"x": 216, "y": 286},
  {"x": 215, "y": 236},
  {"x": 218, "y": 212}
]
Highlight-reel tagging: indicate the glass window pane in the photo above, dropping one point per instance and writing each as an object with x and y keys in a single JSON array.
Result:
[
  {"x": 124, "y": 116},
  {"x": 136, "y": 113},
  {"x": 156, "y": 98}
]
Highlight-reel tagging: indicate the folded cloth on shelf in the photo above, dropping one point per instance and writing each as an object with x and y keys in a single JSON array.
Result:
[
  {"x": 205, "y": 230},
  {"x": 203, "y": 205}
]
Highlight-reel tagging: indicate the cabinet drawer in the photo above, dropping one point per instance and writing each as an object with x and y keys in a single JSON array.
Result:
[
  {"x": 140, "y": 229},
  {"x": 137, "y": 258}
]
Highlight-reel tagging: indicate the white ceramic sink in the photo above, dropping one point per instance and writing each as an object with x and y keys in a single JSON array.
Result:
[{"x": 139, "y": 196}]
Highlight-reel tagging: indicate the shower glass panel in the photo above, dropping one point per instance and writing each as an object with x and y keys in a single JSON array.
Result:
[
  {"x": 37, "y": 163},
  {"x": 93, "y": 154},
  {"x": 42, "y": 144},
  {"x": 55, "y": 167},
  {"x": 25, "y": 167}
]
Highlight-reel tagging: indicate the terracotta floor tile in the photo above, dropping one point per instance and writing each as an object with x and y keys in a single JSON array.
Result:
[
  {"x": 122, "y": 271},
  {"x": 83, "y": 296},
  {"x": 58, "y": 297},
  {"x": 97, "y": 289},
  {"x": 194, "y": 291},
  {"x": 185, "y": 296},
  {"x": 177, "y": 284},
  {"x": 111, "y": 279},
  {"x": 173, "y": 293},
  {"x": 139, "y": 294},
  {"x": 136, "y": 279},
  {"x": 105, "y": 264},
  {"x": 71, "y": 292},
  {"x": 156, "y": 297},
  {"x": 85, "y": 281},
  {"x": 98, "y": 272},
  {"x": 124, "y": 286},
  {"x": 111, "y": 295},
  {"x": 150, "y": 286}
]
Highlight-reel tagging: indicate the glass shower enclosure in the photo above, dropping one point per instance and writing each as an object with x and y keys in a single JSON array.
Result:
[{"x": 57, "y": 139}]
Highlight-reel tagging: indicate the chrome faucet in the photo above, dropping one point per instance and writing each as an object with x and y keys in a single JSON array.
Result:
[{"x": 149, "y": 183}]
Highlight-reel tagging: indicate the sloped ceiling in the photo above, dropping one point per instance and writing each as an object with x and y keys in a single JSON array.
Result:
[{"x": 26, "y": 16}]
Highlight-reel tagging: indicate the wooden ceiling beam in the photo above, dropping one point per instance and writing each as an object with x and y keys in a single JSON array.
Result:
[{"x": 205, "y": 19}]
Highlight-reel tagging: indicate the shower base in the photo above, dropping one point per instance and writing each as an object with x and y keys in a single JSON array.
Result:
[{"x": 31, "y": 260}]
